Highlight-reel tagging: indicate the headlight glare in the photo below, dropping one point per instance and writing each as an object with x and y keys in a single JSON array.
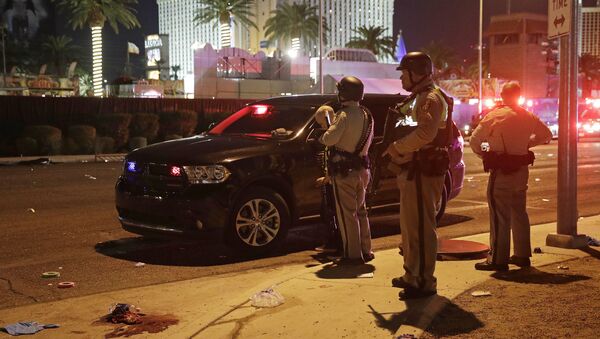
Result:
[{"x": 211, "y": 174}]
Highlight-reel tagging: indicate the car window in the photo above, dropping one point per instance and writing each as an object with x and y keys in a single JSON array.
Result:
[{"x": 265, "y": 120}]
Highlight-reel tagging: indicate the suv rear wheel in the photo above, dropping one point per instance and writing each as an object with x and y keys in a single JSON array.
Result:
[{"x": 260, "y": 221}]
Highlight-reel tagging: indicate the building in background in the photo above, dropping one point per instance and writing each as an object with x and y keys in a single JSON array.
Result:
[
  {"x": 516, "y": 46},
  {"x": 156, "y": 47},
  {"x": 175, "y": 18},
  {"x": 589, "y": 26}
]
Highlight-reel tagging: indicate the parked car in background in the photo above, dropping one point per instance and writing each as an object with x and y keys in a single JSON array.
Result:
[
  {"x": 588, "y": 124},
  {"x": 250, "y": 178}
]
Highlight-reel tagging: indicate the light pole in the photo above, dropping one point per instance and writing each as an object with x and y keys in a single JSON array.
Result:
[
  {"x": 3, "y": 33},
  {"x": 321, "y": 46},
  {"x": 480, "y": 55}
]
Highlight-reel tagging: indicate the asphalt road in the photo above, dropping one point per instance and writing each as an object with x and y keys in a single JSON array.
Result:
[{"x": 62, "y": 218}]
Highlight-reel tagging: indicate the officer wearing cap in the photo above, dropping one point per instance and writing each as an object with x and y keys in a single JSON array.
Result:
[
  {"x": 419, "y": 193},
  {"x": 502, "y": 139},
  {"x": 348, "y": 139}
]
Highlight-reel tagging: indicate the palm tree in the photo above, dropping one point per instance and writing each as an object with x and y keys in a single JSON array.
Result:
[
  {"x": 223, "y": 12},
  {"x": 372, "y": 38},
  {"x": 60, "y": 51},
  {"x": 441, "y": 56},
  {"x": 94, "y": 13},
  {"x": 175, "y": 69},
  {"x": 294, "y": 23}
]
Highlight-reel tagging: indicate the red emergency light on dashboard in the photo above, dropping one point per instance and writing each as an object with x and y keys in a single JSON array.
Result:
[{"x": 260, "y": 111}]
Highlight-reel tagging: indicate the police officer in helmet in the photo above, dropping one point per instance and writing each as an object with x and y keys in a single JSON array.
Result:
[
  {"x": 508, "y": 132},
  {"x": 348, "y": 139},
  {"x": 420, "y": 192}
]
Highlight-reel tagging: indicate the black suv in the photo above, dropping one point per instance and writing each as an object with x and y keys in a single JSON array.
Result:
[{"x": 250, "y": 178}]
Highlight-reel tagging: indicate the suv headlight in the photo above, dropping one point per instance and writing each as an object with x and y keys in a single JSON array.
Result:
[{"x": 212, "y": 174}]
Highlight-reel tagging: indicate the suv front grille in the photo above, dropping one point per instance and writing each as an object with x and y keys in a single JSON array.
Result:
[{"x": 155, "y": 180}]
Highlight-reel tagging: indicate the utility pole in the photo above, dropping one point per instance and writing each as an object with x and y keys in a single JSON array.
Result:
[
  {"x": 567, "y": 214},
  {"x": 3, "y": 33},
  {"x": 321, "y": 46},
  {"x": 480, "y": 56}
]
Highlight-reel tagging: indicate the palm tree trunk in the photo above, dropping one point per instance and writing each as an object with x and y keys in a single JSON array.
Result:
[
  {"x": 97, "y": 60},
  {"x": 225, "y": 34}
]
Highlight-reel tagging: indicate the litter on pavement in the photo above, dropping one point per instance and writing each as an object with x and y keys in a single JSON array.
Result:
[
  {"x": 140, "y": 264},
  {"x": 26, "y": 327},
  {"x": 48, "y": 275},
  {"x": 562, "y": 267},
  {"x": 31, "y": 210},
  {"x": 267, "y": 298},
  {"x": 66, "y": 284},
  {"x": 125, "y": 314},
  {"x": 90, "y": 177},
  {"x": 537, "y": 250},
  {"x": 481, "y": 293},
  {"x": 593, "y": 242},
  {"x": 366, "y": 275}
]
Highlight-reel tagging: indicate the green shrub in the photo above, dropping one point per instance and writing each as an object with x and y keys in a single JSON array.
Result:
[
  {"x": 81, "y": 139},
  {"x": 104, "y": 145},
  {"x": 48, "y": 138},
  {"x": 145, "y": 125},
  {"x": 137, "y": 142},
  {"x": 212, "y": 119},
  {"x": 115, "y": 126},
  {"x": 27, "y": 146},
  {"x": 180, "y": 122}
]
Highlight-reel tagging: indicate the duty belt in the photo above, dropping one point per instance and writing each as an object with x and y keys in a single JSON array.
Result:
[
  {"x": 507, "y": 163},
  {"x": 345, "y": 162}
]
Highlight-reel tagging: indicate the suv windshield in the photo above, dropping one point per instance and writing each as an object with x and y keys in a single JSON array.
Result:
[{"x": 265, "y": 120}]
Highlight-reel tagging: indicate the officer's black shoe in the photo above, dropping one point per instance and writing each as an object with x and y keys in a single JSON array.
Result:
[
  {"x": 488, "y": 266},
  {"x": 398, "y": 282},
  {"x": 519, "y": 261},
  {"x": 369, "y": 256},
  {"x": 415, "y": 293}
]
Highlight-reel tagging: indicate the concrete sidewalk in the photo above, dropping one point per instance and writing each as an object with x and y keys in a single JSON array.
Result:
[
  {"x": 116, "y": 157},
  {"x": 320, "y": 300}
]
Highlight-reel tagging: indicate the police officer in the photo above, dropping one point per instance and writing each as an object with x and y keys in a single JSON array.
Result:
[
  {"x": 507, "y": 133},
  {"x": 419, "y": 194},
  {"x": 348, "y": 139}
]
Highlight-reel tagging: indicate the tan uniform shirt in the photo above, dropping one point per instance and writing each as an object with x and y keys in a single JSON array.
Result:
[
  {"x": 429, "y": 111},
  {"x": 510, "y": 131},
  {"x": 346, "y": 130}
]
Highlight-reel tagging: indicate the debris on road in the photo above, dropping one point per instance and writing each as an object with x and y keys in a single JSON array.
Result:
[
  {"x": 366, "y": 275},
  {"x": 562, "y": 267},
  {"x": 538, "y": 179},
  {"x": 49, "y": 275},
  {"x": 66, "y": 284},
  {"x": 481, "y": 293},
  {"x": 593, "y": 242},
  {"x": 546, "y": 200},
  {"x": 124, "y": 314},
  {"x": 26, "y": 327},
  {"x": 140, "y": 264},
  {"x": 31, "y": 210},
  {"x": 267, "y": 298},
  {"x": 90, "y": 177},
  {"x": 537, "y": 250}
]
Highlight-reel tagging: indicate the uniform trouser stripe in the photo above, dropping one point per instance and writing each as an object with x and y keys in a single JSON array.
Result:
[
  {"x": 419, "y": 197},
  {"x": 494, "y": 215},
  {"x": 340, "y": 219}
]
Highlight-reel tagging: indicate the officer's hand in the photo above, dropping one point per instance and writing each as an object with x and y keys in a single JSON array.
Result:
[
  {"x": 322, "y": 181},
  {"x": 322, "y": 112},
  {"x": 397, "y": 157}
]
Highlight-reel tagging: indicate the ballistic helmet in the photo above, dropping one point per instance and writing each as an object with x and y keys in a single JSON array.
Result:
[
  {"x": 350, "y": 88},
  {"x": 416, "y": 62}
]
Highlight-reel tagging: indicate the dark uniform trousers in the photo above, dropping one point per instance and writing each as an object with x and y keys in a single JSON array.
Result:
[
  {"x": 351, "y": 210},
  {"x": 419, "y": 199},
  {"x": 507, "y": 194}
]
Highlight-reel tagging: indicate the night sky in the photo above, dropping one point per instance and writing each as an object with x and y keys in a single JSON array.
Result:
[{"x": 453, "y": 22}]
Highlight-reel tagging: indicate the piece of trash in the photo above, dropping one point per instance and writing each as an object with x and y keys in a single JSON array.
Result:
[
  {"x": 562, "y": 267},
  {"x": 124, "y": 313},
  {"x": 593, "y": 242},
  {"x": 538, "y": 179},
  {"x": 546, "y": 200},
  {"x": 537, "y": 250},
  {"x": 140, "y": 264},
  {"x": 481, "y": 293},
  {"x": 267, "y": 298},
  {"x": 31, "y": 210},
  {"x": 50, "y": 284},
  {"x": 66, "y": 284},
  {"x": 49, "y": 275},
  {"x": 366, "y": 275},
  {"x": 60, "y": 267},
  {"x": 26, "y": 327},
  {"x": 90, "y": 177}
]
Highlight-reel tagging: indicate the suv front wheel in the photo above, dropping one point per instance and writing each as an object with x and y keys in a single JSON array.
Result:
[{"x": 259, "y": 221}]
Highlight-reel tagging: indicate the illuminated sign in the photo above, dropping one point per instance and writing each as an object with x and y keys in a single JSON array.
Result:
[{"x": 153, "y": 41}]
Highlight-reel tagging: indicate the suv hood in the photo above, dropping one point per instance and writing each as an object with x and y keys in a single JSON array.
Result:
[{"x": 204, "y": 149}]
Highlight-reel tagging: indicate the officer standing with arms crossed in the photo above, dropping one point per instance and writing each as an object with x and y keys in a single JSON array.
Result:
[
  {"x": 419, "y": 193},
  {"x": 502, "y": 139},
  {"x": 348, "y": 139}
]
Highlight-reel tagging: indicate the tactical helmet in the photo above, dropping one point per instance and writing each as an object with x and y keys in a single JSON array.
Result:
[
  {"x": 350, "y": 88},
  {"x": 416, "y": 62}
]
